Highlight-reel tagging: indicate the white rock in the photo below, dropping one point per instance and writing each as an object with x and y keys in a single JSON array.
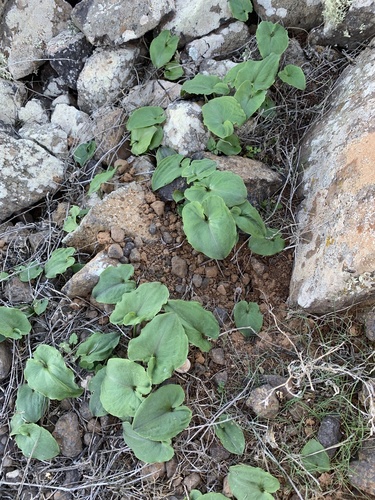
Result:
[
  {"x": 33, "y": 111},
  {"x": 222, "y": 42},
  {"x": 73, "y": 122},
  {"x": 335, "y": 255},
  {"x": 106, "y": 74},
  {"x": 153, "y": 93},
  {"x": 217, "y": 68},
  {"x": 197, "y": 18},
  {"x": 184, "y": 130},
  {"x": 114, "y": 22},
  {"x": 26, "y": 27},
  {"x": 12, "y": 96},
  {"x": 28, "y": 173},
  {"x": 50, "y": 136}
]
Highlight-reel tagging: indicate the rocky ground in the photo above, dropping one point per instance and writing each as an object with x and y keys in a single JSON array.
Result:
[{"x": 321, "y": 365}]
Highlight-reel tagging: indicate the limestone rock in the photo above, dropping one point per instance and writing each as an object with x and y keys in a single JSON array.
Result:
[
  {"x": 217, "y": 68},
  {"x": 346, "y": 27},
  {"x": 82, "y": 282},
  {"x": 260, "y": 180},
  {"x": 194, "y": 21},
  {"x": 123, "y": 208},
  {"x": 33, "y": 112},
  {"x": 335, "y": 254},
  {"x": 12, "y": 96},
  {"x": 224, "y": 41},
  {"x": 184, "y": 130},
  {"x": 28, "y": 174},
  {"x": 114, "y": 22},
  {"x": 153, "y": 93},
  {"x": 26, "y": 27},
  {"x": 73, "y": 122},
  {"x": 106, "y": 74},
  {"x": 49, "y": 136},
  {"x": 67, "y": 53},
  {"x": 290, "y": 13}
]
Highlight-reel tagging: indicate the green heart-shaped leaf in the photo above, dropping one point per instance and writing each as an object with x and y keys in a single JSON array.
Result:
[
  {"x": 30, "y": 404},
  {"x": 61, "y": 259},
  {"x": 97, "y": 347},
  {"x": 162, "y": 344},
  {"x": 160, "y": 417},
  {"x": 210, "y": 227},
  {"x": 140, "y": 305},
  {"x": 162, "y": 48},
  {"x": 247, "y": 318},
  {"x": 230, "y": 434},
  {"x": 252, "y": 482},
  {"x": 147, "y": 116},
  {"x": 196, "y": 321},
  {"x": 13, "y": 323},
  {"x": 221, "y": 114},
  {"x": 271, "y": 38},
  {"x": 123, "y": 387},
  {"x": 227, "y": 185},
  {"x": 36, "y": 442},
  {"x": 168, "y": 169},
  {"x": 241, "y": 9},
  {"x": 294, "y": 76},
  {"x": 47, "y": 373},
  {"x": 314, "y": 458},
  {"x": 113, "y": 282},
  {"x": 145, "y": 449}
]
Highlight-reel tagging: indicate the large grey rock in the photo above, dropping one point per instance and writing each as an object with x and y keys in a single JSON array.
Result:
[
  {"x": 12, "y": 96},
  {"x": 67, "y": 53},
  {"x": 347, "y": 24},
  {"x": 303, "y": 14},
  {"x": 106, "y": 74},
  {"x": 26, "y": 27},
  {"x": 184, "y": 130},
  {"x": 361, "y": 472},
  {"x": 335, "y": 254},
  {"x": 152, "y": 93},
  {"x": 195, "y": 19},
  {"x": 114, "y": 22},
  {"x": 47, "y": 135},
  {"x": 224, "y": 41},
  {"x": 28, "y": 173},
  {"x": 123, "y": 208}
]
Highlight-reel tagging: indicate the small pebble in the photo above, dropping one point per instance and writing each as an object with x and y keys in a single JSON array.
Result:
[
  {"x": 167, "y": 237},
  {"x": 5, "y": 360},
  {"x": 115, "y": 251},
  {"x": 129, "y": 245},
  {"x": 217, "y": 356},
  {"x": 192, "y": 481},
  {"x": 117, "y": 234},
  {"x": 158, "y": 207},
  {"x": 211, "y": 272},
  {"x": 152, "y": 472},
  {"x": 220, "y": 378},
  {"x": 197, "y": 280},
  {"x": 68, "y": 434},
  {"x": 184, "y": 368},
  {"x": 263, "y": 401},
  {"x": 221, "y": 289},
  {"x": 179, "y": 267},
  {"x": 152, "y": 229},
  {"x": 135, "y": 255}
]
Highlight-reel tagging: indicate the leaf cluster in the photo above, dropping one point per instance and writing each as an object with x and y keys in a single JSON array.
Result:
[
  {"x": 215, "y": 206},
  {"x": 248, "y": 81}
]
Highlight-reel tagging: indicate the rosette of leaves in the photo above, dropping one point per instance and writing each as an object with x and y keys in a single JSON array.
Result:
[{"x": 144, "y": 126}]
